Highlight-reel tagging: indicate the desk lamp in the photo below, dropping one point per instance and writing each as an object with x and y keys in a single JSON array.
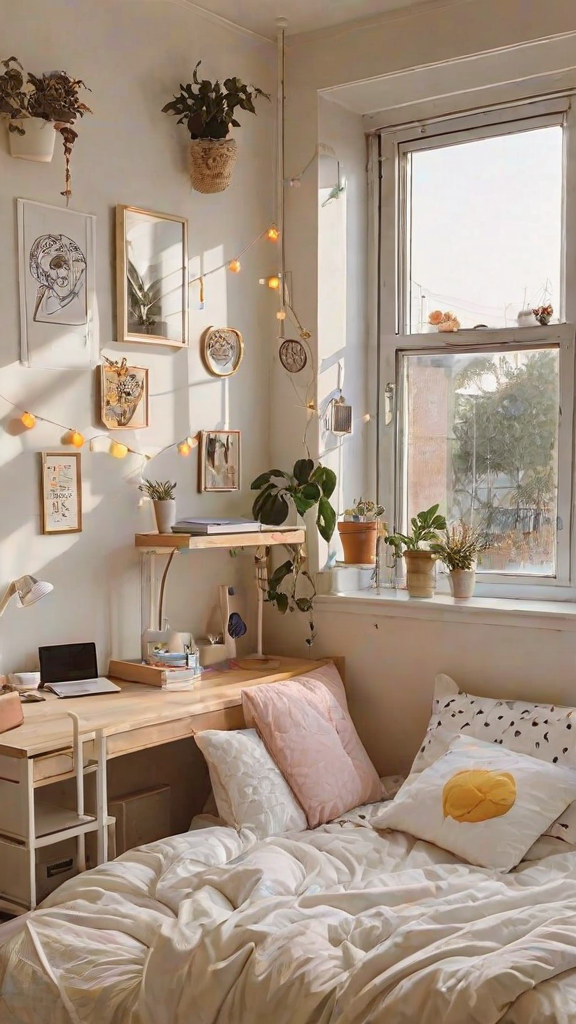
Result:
[{"x": 29, "y": 590}]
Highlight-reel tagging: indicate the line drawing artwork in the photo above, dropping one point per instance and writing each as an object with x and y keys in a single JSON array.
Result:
[{"x": 58, "y": 265}]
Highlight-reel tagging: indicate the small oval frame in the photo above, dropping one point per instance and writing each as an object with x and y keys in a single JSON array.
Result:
[{"x": 209, "y": 365}]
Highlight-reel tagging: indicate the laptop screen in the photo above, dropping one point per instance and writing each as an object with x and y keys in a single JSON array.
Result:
[{"x": 64, "y": 663}]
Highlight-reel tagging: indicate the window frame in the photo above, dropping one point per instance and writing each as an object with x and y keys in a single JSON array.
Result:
[{"x": 394, "y": 149}]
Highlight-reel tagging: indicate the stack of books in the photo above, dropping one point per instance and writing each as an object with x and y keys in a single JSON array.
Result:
[{"x": 209, "y": 526}]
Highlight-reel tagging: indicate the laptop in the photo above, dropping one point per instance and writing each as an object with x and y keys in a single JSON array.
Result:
[{"x": 71, "y": 670}]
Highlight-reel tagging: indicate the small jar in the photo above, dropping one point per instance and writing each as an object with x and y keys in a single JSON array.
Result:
[{"x": 526, "y": 318}]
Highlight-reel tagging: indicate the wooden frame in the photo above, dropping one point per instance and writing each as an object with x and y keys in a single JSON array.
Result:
[
  {"x": 209, "y": 335},
  {"x": 108, "y": 421},
  {"x": 123, "y": 332},
  {"x": 75, "y": 491},
  {"x": 203, "y": 482}
]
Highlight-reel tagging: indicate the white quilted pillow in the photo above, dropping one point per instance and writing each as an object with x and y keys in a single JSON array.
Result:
[{"x": 249, "y": 788}]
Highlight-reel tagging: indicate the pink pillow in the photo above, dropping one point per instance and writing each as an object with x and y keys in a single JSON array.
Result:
[{"x": 305, "y": 725}]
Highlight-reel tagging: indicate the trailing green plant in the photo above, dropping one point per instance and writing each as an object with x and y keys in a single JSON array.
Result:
[
  {"x": 460, "y": 546},
  {"x": 364, "y": 510},
  {"x": 53, "y": 97},
  {"x": 158, "y": 491},
  {"x": 291, "y": 587},
  {"x": 207, "y": 108},
  {"x": 426, "y": 528}
]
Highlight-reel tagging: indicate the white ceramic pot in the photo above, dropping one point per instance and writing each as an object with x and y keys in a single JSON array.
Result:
[
  {"x": 420, "y": 573},
  {"x": 462, "y": 582},
  {"x": 165, "y": 512},
  {"x": 526, "y": 318},
  {"x": 38, "y": 142}
]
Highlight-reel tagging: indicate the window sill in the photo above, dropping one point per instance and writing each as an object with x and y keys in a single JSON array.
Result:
[{"x": 557, "y": 615}]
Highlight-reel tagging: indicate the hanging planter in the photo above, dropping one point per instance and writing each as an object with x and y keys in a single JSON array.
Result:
[
  {"x": 35, "y": 141},
  {"x": 207, "y": 109}
]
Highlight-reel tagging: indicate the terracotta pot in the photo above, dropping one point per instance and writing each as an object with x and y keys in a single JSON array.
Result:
[
  {"x": 462, "y": 582},
  {"x": 165, "y": 512},
  {"x": 420, "y": 573},
  {"x": 38, "y": 142},
  {"x": 359, "y": 542},
  {"x": 212, "y": 162}
]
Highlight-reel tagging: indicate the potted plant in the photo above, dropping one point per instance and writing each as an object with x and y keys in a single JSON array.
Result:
[
  {"x": 420, "y": 559},
  {"x": 38, "y": 108},
  {"x": 359, "y": 532},
  {"x": 162, "y": 495},
  {"x": 444, "y": 322},
  {"x": 291, "y": 587},
  {"x": 459, "y": 551},
  {"x": 208, "y": 113}
]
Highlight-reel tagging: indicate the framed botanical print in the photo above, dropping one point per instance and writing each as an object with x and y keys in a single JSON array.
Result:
[
  {"x": 219, "y": 460},
  {"x": 123, "y": 395},
  {"x": 57, "y": 273},
  {"x": 151, "y": 277},
  {"x": 61, "y": 492},
  {"x": 222, "y": 350}
]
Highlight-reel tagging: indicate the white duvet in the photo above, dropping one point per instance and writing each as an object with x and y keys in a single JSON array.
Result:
[{"x": 342, "y": 925}]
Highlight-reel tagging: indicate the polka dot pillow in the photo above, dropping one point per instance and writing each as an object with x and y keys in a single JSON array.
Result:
[{"x": 544, "y": 731}]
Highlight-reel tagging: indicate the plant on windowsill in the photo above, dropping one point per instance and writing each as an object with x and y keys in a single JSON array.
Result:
[
  {"x": 417, "y": 550},
  {"x": 359, "y": 532},
  {"x": 291, "y": 587},
  {"x": 162, "y": 496},
  {"x": 38, "y": 107},
  {"x": 208, "y": 113},
  {"x": 459, "y": 549}
]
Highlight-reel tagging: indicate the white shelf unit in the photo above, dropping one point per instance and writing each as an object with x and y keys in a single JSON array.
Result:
[{"x": 31, "y": 824}]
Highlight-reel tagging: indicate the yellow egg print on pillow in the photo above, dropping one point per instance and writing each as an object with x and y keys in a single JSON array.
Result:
[{"x": 478, "y": 794}]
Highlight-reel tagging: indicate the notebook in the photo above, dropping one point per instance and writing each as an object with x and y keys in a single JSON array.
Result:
[{"x": 71, "y": 670}]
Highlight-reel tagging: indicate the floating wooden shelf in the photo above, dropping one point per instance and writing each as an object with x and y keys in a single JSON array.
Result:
[{"x": 187, "y": 542}]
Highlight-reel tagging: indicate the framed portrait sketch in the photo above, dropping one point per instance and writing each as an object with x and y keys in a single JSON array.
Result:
[
  {"x": 151, "y": 277},
  {"x": 123, "y": 395},
  {"x": 219, "y": 460},
  {"x": 61, "y": 492},
  {"x": 56, "y": 250},
  {"x": 222, "y": 349}
]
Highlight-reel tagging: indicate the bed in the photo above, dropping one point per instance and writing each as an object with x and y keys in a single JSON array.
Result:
[{"x": 342, "y": 924}]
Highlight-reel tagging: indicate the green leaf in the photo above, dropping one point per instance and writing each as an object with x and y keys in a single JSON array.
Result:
[
  {"x": 302, "y": 470},
  {"x": 326, "y": 519},
  {"x": 326, "y": 480},
  {"x": 276, "y": 511},
  {"x": 304, "y": 604},
  {"x": 261, "y": 500},
  {"x": 281, "y": 573},
  {"x": 282, "y": 603},
  {"x": 264, "y": 478}
]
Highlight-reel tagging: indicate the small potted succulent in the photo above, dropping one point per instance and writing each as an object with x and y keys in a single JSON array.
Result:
[
  {"x": 38, "y": 107},
  {"x": 359, "y": 532},
  {"x": 162, "y": 495},
  {"x": 543, "y": 314},
  {"x": 207, "y": 109},
  {"x": 444, "y": 321},
  {"x": 459, "y": 550},
  {"x": 417, "y": 548}
]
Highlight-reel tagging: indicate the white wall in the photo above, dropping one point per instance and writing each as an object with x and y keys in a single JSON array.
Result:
[{"x": 133, "y": 56}]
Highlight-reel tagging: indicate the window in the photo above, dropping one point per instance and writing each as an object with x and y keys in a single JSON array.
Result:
[{"x": 475, "y": 220}]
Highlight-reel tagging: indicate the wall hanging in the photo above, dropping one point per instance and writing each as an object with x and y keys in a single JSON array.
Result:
[
  {"x": 219, "y": 460},
  {"x": 57, "y": 256},
  {"x": 123, "y": 395},
  {"x": 151, "y": 277},
  {"x": 38, "y": 107},
  {"x": 207, "y": 109},
  {"x": 222, "y": 350},
  {"x": 61, "y": 488},
  {"x": 293, "y": 355}
]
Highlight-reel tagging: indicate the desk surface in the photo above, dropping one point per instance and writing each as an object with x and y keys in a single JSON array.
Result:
[{"x": 47, "y": 728}]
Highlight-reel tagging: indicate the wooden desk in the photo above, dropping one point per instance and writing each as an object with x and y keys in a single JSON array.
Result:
[{"x": 39, "y": 753}]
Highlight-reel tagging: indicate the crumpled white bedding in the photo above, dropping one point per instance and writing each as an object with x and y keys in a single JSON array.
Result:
[{"x": 342, "y": 925}]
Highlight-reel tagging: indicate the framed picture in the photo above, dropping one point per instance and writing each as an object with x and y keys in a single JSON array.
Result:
[
  {"x": 219, "y": 460},
  {"x": 222, "y": 350},
  {"x": 61, "y": 490},
  {"x": 151, "y": 277},
  {"x": 56, "y": 250},
  {"x": 123, "y": 395}
]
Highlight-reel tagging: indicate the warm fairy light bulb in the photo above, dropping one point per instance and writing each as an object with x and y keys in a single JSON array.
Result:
[
  {"x": 273, "y": 283},
  {"x": 184, "y": 448},
  {"x": 118, "y": 450},
  {"x": 280, "y": 315},
  {"x": 76, "y": 438},
  {"x": 235, "y": 266},
  {"x": 28, "y": 419},
  {"x": 273, "y": 234}
]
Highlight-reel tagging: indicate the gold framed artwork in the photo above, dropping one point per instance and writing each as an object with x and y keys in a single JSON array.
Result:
[
  {"x": 219, "y": 460},
  {"x": 222, "y": 350},
  {"x": 61, "y": 492},
  {"x": 151, "y": 277},
  {"x": 123, "y": 395}
]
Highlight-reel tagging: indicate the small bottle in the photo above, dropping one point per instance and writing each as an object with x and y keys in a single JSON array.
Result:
[{"x": 193, "y": 656}]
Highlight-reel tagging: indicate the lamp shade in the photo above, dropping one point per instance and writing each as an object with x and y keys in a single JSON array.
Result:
[{"x": 30, "y": 590}]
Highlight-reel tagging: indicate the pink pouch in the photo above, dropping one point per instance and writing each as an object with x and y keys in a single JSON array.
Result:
[
  {"x": 305, "y": 725},
  {"x": 11, "y": 714}
]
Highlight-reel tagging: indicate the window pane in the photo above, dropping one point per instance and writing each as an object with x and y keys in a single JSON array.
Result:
[
  {"x": 486, "y": 226},
  {"x": 480, "y": 436}
]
